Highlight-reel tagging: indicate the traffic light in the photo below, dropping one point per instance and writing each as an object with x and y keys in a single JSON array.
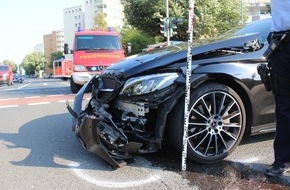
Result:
[
  {"x": 163, "y": 26},
  {"x": 173, "y": 22}
]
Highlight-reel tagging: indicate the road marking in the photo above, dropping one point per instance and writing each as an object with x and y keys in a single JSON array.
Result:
[
  {"x": 63, "y": 101},
  {"x": 32, "y": 97},
  {"x": 10, "y": 106},
  {"x": 9, "y": 99},
  {"x": 54, "y": 95},
  {"x": 38, "y": 103},
  {"x": 24, "y": 86},
  {"x": 114, "y": 184}
]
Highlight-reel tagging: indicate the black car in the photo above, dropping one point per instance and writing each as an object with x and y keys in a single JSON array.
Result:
[
  {"x": 139, "y": 102},
  {"x": 18, "y": 78}
]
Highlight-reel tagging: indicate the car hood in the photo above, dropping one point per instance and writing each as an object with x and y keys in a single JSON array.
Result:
[{"x": 147, "y": 61}]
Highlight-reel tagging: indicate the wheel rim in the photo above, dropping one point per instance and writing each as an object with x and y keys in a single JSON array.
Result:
[{"x": 215, "y": 124}]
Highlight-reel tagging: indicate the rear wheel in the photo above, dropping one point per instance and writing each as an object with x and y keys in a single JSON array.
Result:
[{"x": 216, "y": 123}]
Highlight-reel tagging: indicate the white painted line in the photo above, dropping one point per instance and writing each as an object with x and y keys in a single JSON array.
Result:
[
  {"x": 61, "y": 101},
  {"x": 32, "y": 97},
  {"x": 24, "y": 86},
  {"x": 114, "y": 184},
  {"x": 10, "y": 106},
  {"x": 9, "y": 99},
  {"x": 55, "y": 95},
  {"x": 38, "y": 103}
]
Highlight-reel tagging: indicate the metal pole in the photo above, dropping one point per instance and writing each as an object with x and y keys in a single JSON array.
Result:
[
  {"x": 167, "y": 22},
  {"x": 188, "y": 76},
  {"x": 242, "y": 14}
]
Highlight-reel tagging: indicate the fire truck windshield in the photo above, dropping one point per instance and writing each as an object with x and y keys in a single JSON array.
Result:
[{"x": 100, "y": 42}]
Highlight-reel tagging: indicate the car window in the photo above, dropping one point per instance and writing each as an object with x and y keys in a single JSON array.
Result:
[{"x": 3, "y": 68}]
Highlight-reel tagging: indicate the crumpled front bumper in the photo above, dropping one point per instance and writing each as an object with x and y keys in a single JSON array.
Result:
[{"x": 98, "y": 137}]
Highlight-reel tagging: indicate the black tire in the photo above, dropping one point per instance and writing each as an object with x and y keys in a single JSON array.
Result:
[
  {"x": 217, "y": 121},
  {"x": 74, "y": 87}
]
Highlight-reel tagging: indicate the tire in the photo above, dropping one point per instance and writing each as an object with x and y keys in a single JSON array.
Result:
[
  {"x": 217, "y": 121},
  {"x": 74, "y": 87}
]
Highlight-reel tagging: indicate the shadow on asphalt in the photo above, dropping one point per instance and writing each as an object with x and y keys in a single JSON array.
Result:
[{"x": 53, "y": 144}]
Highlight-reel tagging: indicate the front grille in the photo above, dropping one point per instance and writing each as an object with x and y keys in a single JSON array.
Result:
[
  {"x": 108, "y": 88},
  {"x": 95, "y": 68},
  {"x": 109, "y": 83}
]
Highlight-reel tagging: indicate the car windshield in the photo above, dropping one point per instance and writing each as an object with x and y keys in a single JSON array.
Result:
[
  {"x": 104, "y": 42},
  {"x": 3, "y": 68}
]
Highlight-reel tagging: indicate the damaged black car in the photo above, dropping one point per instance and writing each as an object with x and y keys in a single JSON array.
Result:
[{"x": 139, "y": 101}]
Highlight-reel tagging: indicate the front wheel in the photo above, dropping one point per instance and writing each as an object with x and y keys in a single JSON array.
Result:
[
  {"x": 74, "y": 87},
  {"x": 216, "y": 125}
]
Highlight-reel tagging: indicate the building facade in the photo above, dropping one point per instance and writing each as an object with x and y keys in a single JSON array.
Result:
[
  {"x": 111, "y": 9},
  {"x": 82, "y": 17},
  {"x": 73, "y": 20},
  {"x": 257, "y": 9},
  {"x": 52, "y": 43}
]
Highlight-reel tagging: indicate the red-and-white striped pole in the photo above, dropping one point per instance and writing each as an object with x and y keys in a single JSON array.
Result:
[{"x": 188, "y": 76}]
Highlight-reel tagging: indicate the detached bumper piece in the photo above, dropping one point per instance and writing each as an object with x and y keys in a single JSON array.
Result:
[{"x": 105, "y": 141}]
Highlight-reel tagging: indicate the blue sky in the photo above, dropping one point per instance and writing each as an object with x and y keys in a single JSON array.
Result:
[{"x": 24, "y": 22}]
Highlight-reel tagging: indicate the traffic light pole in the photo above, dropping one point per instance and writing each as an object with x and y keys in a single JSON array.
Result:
[
  {"x": 188, "y": 76},
  {"x": 167, "y": 22}
]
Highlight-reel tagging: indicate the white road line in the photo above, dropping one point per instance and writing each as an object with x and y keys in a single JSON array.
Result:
[
  {"x": 55, "y": 95},
  {"x": 24, "y": 86},
  {"x": 9, "y": 99},
  {"x": 9, "y": 106},
  {"x": 32, "y": 97},
  {"x": 38, "y": 103},
  {"x": 61, "y": 101}
]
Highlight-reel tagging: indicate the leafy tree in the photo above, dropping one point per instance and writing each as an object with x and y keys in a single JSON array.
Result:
[
  {"x": 12, "y": 64},
  {"x": 33, "y": 62},
  {"x": 212, "y": 17},
  {"x": 55, "y": 56},
  {"x": 137, "y": 38},
  {"x": 100, "y": 22}
]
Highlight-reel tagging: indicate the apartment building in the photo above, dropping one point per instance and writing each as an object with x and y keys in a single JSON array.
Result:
[
  {"x": 52, "y": 43},
  {"x": 82, "y": 16},
  {"x": 111, "y": 9},
  {"x": 257, "y": 9},
  {"x": 73, "y": 20}
]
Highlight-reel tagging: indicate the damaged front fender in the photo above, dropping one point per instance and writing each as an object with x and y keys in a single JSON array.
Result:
[{"x": 96, "y": 135}]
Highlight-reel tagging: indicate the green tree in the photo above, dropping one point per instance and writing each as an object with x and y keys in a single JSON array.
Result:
[
  {"x": 33, "y": 62},
  {"x": 54, "y": 56},
  {"x": 100, "y": 22},
  {"x": 137, "y": 38},
  {"x": 212, "y": 17},
  {"x": 12, "y": 64}
]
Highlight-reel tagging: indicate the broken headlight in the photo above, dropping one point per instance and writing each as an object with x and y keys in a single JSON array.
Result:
[{"x": 149, "y": 83}]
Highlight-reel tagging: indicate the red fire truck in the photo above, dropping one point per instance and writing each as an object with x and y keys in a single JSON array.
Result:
[{"x": 92, "y": 52}]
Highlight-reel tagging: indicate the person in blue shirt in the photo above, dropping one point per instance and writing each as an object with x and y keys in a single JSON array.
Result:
[{"x": 280, "y": 81}]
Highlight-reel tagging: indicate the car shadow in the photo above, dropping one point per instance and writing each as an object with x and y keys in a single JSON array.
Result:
[{"x": 51, "y": 143}]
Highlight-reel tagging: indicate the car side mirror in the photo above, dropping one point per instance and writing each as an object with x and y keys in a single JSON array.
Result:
[
  {"x": 128, "y": 48},
  {"x": 65, "y": 49}
]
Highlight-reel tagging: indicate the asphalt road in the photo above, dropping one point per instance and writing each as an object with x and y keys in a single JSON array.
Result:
[{"x": 38, "y": 150}]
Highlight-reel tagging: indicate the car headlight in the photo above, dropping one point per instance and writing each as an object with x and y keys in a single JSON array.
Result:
[
  {"x": 149, "y": 83},
  {"x": 79, "y": 68}
]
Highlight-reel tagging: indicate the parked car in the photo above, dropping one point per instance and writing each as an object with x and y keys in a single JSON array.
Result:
[
  {"x": 18, "y": 78},
  {"x": 138, "y": 102},
  {"x": 6, "y": 75}
]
